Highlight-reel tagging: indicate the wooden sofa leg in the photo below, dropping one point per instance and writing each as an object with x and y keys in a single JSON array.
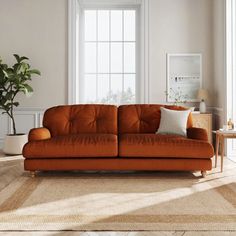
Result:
[
  {"x": 204, "y": 173},
  {"x": 32, "y": 174}
]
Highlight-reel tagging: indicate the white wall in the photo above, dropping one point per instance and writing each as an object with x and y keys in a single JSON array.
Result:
[
  {"x": 38, "y": 30},
  {"x": 219, "y": 86},
  {"x": 219, "y": 53},
  {"x": 179, "y": 26}
]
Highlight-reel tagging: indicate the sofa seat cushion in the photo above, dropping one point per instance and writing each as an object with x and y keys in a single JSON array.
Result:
[
  {"x": 160, "y": 145},
  {"x": 73, "y": 146}
]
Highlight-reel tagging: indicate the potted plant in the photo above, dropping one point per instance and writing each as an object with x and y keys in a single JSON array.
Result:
[{"x": 14, "y": 80}]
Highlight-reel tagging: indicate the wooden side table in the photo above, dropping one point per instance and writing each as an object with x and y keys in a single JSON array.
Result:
[
  {"x": 203, "y": 120},
  {"x": 221, "y": 135}
]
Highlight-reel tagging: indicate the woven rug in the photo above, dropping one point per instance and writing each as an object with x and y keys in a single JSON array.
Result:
[{"x": 156, "y": 201}]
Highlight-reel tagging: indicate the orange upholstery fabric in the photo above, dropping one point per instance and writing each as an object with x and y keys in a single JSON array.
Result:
[
  {"x": 79, "y": 145},
  {"x": 143, "y": 118},
  {"x": 39, "y": 134},
  {"x": 84, "y": 137},
  {"x": 81, "y": 119},
  {"x": 158, "y": 145},
  {"x": 118, "y": 164},
  {"x": 197, "y": 133}
]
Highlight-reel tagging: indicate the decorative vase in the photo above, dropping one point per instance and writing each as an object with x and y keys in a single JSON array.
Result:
[
  {"x": 13, "y": 144},
  {"x": 202, "y": 107}
]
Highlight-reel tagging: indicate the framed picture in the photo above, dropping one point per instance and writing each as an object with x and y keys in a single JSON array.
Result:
[{"x": 184, "y": 77}]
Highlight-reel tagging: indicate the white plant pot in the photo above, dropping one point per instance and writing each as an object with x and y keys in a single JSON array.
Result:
[{"x": 13, "y": 144}]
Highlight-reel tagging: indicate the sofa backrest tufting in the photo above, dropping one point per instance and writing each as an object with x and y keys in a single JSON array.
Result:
[
  {"x": 143, "y": 118},
  {"x": 75, "y": 119}
]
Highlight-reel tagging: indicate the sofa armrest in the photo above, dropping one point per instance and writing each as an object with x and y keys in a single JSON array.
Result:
[
  {"x": 39, "y": 134},
  {"x": 197, "y": 133}
]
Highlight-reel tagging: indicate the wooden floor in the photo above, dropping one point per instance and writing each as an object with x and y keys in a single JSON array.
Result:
[{"x": 11, "y": 168}]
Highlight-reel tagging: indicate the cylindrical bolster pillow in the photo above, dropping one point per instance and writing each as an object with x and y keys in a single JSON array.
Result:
[
  {"x": 39, "y": 134},
  {"x": 197, "y": 133}
]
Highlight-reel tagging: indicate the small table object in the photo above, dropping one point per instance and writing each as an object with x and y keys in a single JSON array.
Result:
[{"x": 221, "y": 135}]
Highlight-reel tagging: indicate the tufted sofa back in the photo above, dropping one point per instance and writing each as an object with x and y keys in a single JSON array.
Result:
[
  {"x": 75, "y": 119},
  {"x": 143, "y": 118}
]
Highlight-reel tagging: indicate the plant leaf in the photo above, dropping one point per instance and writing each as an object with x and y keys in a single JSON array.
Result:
[
  {"x": 20, "y": 59},
  {"x": 28, "y": 89},
  {"x": 5, "y": 73},
  {"x": 24, "y": 58},
  {"x": 17, "y": 57},
  {"x": 34, "y": 71},
  {"x": 16, "y": 104}
]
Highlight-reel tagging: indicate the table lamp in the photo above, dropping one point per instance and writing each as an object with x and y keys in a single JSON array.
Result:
[{"x": 202, "y": 95}]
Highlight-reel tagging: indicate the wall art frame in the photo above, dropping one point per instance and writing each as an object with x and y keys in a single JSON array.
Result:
[{"x": 184, "y": 76}]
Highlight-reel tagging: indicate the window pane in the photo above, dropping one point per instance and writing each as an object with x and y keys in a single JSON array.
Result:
[
  {"x": 90, "y": 58},
  {"x": 103, "y": 88},
  {"x": 116, "y": 57},
  {"x": 90, "y": 25},
  {"x": 103, "y": 57},
  {"x": 116, "y": 86},
  {"x": 103, "y": 25},
  {"x": 109, "y": 67},
  {"x": 90, "y": 88},
  {"x": 129, "y": 57},
  {"x": 116, "y": 25},
  {"x": 129, "y": 83},
  {"x": 129, "y": 25}
]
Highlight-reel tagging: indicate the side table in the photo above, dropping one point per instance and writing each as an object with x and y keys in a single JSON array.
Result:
[
  {"x": 221, "y": 135},
  {"x": 203, "y": 120}
]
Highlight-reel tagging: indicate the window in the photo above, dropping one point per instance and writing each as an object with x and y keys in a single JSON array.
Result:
[{"x": 108, "y": 56}]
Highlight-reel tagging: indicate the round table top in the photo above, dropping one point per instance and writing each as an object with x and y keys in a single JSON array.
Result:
[{"x": 226, "y": 133}]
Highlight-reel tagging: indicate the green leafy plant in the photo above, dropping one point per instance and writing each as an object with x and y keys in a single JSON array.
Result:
[{"x": 14, "y": 80}]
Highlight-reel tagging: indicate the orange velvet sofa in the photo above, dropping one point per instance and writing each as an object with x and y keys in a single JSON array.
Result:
[{"x": 106, "y": 137}]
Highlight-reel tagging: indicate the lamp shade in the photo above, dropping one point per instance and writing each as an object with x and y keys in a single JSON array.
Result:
[{"x": 202, "y": 94}]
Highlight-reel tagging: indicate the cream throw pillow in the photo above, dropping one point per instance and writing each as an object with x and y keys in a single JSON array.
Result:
[{"x": 173, "y": 122}]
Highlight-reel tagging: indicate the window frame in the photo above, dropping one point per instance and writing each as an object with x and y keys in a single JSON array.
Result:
[
  {"x": 82, "y": 41},
  {"x": 74, "y": 10}
]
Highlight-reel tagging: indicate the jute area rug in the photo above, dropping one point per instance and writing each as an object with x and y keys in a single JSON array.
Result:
[{"x": 156, "y": 201}]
